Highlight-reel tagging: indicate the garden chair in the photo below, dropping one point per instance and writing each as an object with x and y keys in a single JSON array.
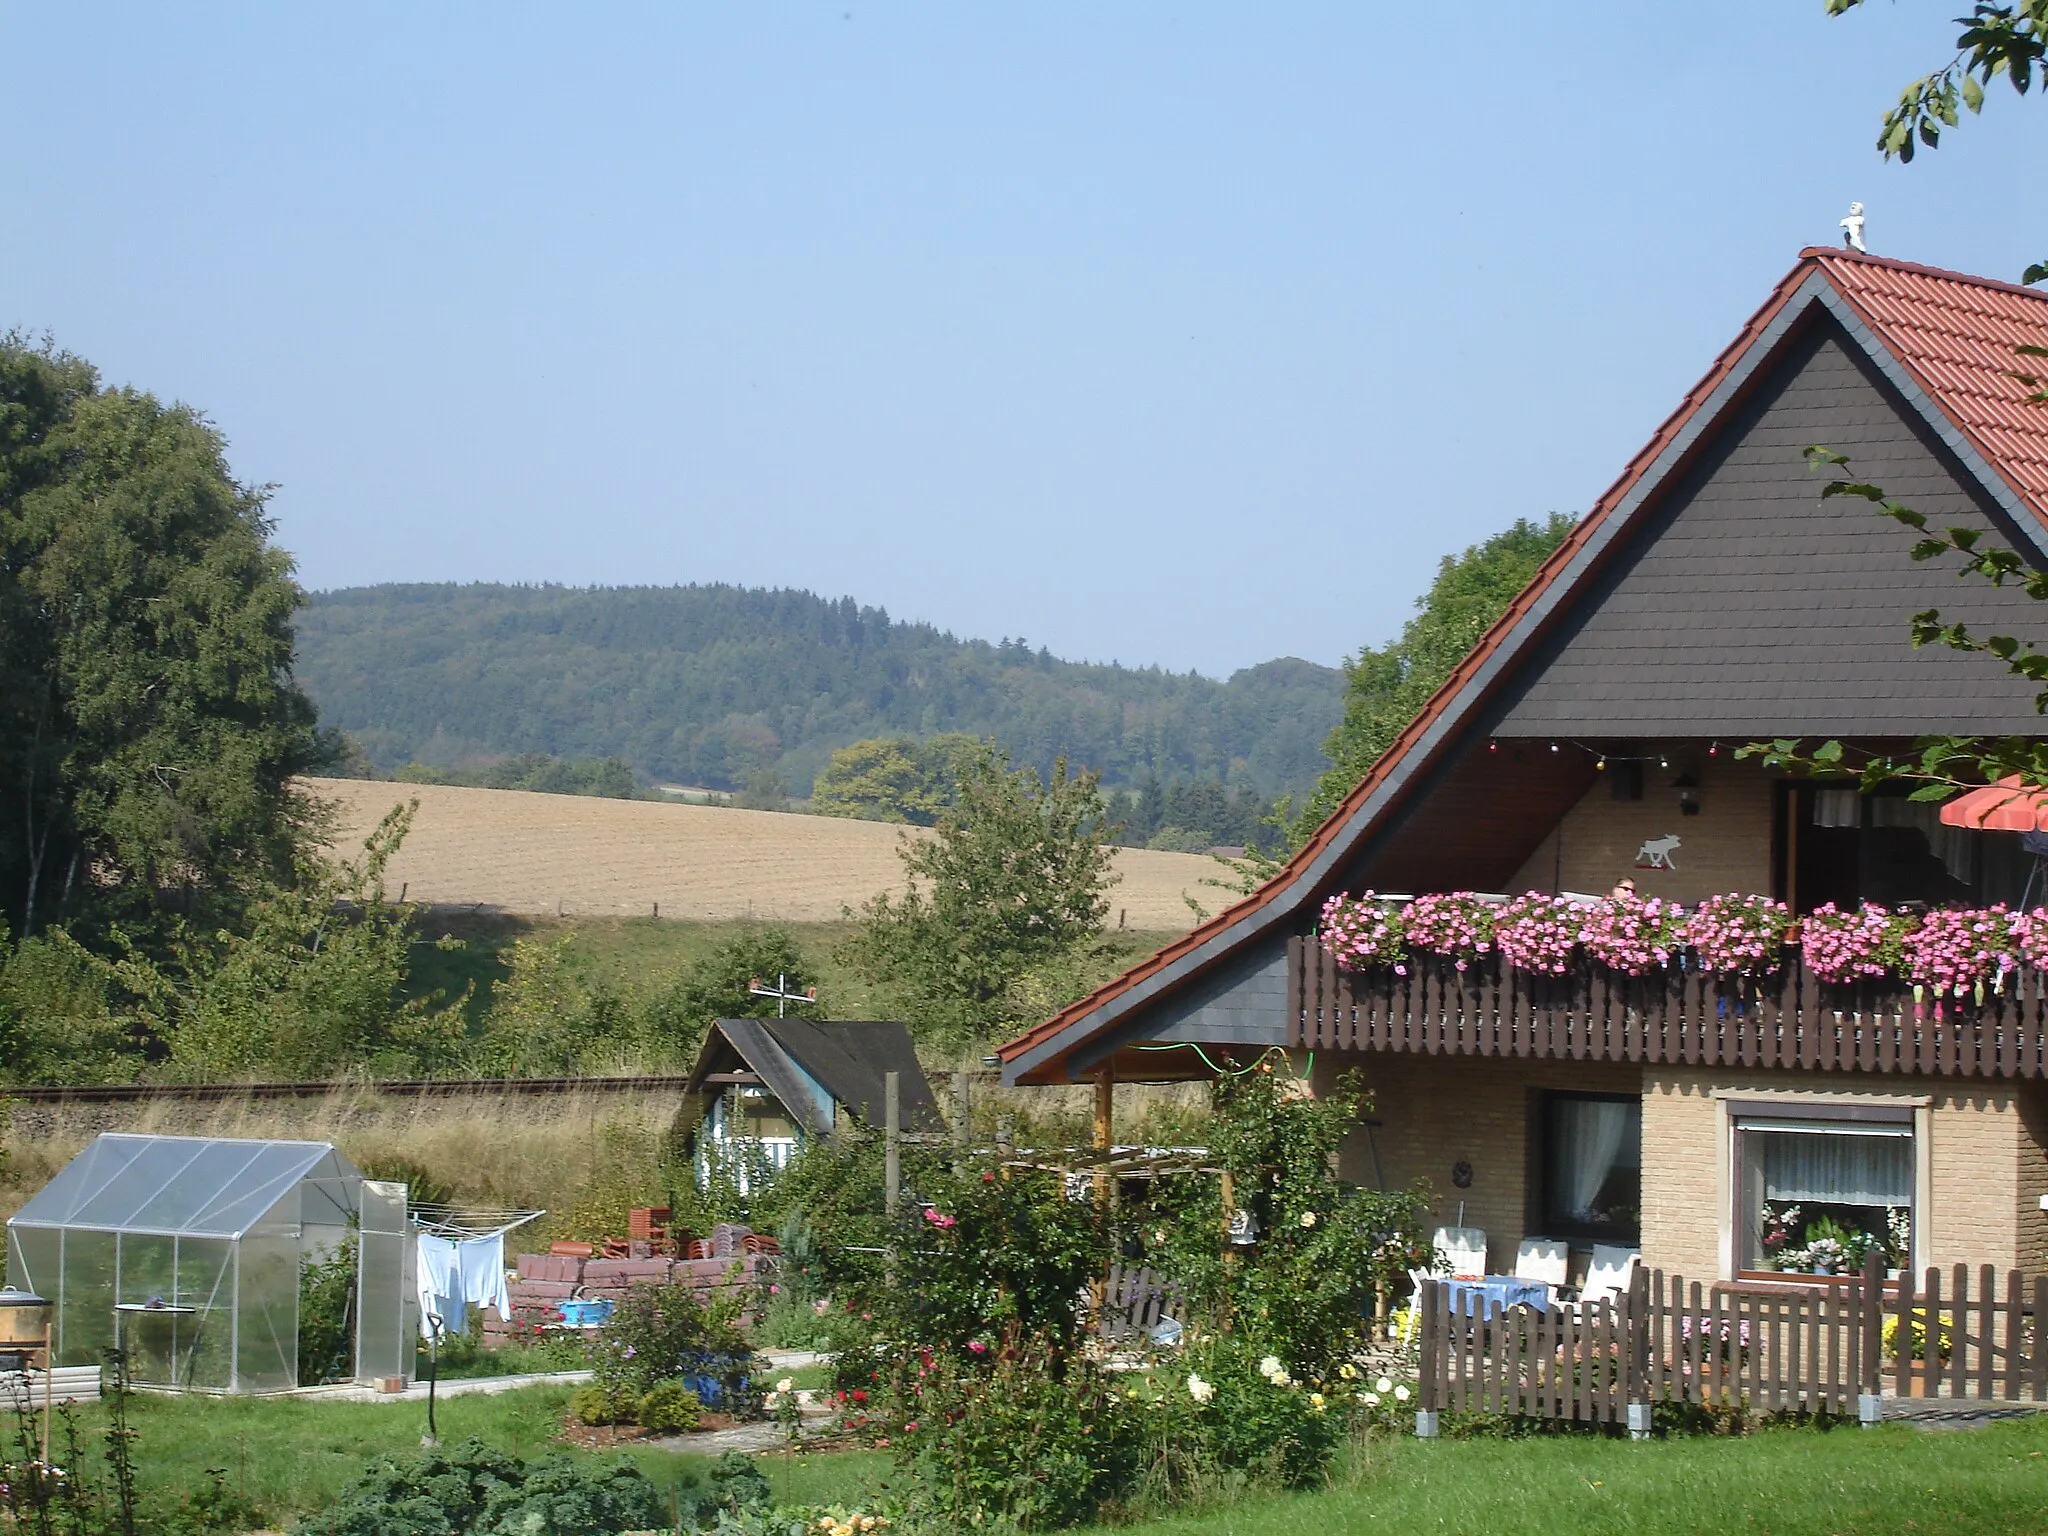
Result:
[
  {"x": 1611, "y": 1272},
  {"x": 1546, "y": 1260},
  {"x": 1461, "y": 1252}
]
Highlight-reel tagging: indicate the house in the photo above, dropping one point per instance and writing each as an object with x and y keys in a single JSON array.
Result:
[
  {"x": 762, "y": 1088},
  {"x": 1711, "y": 598}
]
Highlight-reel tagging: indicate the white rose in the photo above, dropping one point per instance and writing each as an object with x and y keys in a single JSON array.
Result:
[
  {"x": 1200, "y": 1390},
  {"x": 1271, "y": 1367},
  {"x": 1308, "y": 1218},
  {"x": 1400, "y": 1394},
  {"x": 1371, "y": 1399},
  {"x": 1384, "y": 1384},
  {"x": 787, "y": 1384}
]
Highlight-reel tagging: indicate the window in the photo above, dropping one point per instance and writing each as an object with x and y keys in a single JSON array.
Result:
[
  {"x": 1592, "y": 1182},
  {"x": 1823, "y": 1186}
]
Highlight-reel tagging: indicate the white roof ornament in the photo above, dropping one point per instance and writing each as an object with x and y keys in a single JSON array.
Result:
[{"x": 1852, "y": 228}]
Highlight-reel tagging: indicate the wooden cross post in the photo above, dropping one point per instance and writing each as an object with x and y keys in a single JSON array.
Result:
[
  {"x": 892, "y": 1141},
  {"x": 1105, "y": 1186}
]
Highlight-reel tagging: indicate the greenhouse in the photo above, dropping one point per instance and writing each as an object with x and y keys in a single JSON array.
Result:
[{"x": 189, "y": 1255}]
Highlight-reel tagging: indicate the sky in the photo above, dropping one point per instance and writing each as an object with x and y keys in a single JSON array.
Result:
[{"x": 1177, "y": 334}]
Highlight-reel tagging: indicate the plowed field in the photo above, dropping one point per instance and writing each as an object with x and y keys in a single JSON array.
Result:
[{"x": 582, "y": 856}]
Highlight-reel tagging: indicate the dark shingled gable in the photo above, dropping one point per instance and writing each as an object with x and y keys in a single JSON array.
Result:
[{"x": 1748, "y": 606}]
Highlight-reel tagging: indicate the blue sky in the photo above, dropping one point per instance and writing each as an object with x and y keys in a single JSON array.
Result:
[{"x": 1178, "y": 334}]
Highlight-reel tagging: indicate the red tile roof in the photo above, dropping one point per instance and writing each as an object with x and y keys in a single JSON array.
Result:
[
  {"x": 1953, "y": 333},
  {"x": 1956, "y": 335}
]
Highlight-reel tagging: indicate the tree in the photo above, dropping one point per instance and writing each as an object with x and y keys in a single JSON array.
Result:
[
  {"x": 1386, "y": 688},
  {"x": 893, "y": 778},
  {"x": 149, "y": 724},
  {"x": 1014, "y": 879},
  {"x": 308, "y": 985},
  {"x": 719, "y": 987}
]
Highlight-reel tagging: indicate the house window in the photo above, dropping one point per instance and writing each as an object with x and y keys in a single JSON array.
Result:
[
  {"x": 1592, "y": 1184},
  {"x": 1823, "y": 1186}
]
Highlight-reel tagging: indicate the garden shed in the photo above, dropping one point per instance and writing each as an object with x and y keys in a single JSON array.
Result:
[{"x": 188, "y": 1253}]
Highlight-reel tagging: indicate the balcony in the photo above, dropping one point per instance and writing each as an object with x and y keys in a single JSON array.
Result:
[{"x": 1684, "y": 1018}]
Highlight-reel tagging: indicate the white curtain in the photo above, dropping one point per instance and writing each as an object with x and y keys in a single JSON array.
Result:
[
  {"x": 1594, "y": 1131},
  {"x": 1838, "y": 1169}
]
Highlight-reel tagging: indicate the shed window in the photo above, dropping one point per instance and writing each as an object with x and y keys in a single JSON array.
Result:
[{"x": 1592, "y": 1185}]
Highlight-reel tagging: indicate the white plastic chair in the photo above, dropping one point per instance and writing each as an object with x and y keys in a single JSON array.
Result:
[
  {"x": 1461, "y": 1252},
  {"x": 1546, "y": 1260},
  {"x": 1413, "y": 1318},
  {"x": 1610, "y": 1273}
]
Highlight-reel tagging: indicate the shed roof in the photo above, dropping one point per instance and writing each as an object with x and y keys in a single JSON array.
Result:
[
  {"x": 191, "y": 1185},
  {"x": 1944, "y": 340},
  {"x": 848, "y": 1058}
]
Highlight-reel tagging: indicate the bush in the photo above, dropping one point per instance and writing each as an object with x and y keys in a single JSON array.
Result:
[
  {"x": 1033, "y": 1442},
  {"x": 669, "y": 1408},
  {"x": 654, "y": 1333},
  {"x": 560, "y": 1497},
  {"x": 601, "y": 1403}
]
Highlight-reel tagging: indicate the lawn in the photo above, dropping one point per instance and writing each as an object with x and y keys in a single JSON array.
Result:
[
  {"x": 1789, "y": 1482},
  {"x": 291, "y": 1456}
]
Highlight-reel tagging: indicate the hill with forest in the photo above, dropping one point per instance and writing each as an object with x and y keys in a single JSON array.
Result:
[{"x": 717, "y": 685}]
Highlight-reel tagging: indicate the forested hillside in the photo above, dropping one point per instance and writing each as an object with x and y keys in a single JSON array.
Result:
[{"x": 713, "y": 685}]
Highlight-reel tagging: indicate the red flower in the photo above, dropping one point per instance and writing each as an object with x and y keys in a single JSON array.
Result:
[
  {"x": 911, "y": 1427},
  {"x": 859, "y": 1396}
]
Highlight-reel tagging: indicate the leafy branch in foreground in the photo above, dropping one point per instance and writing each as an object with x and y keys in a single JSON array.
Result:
[
  {"x": 1938, "y": 765},
  {"x": 2007, "y": 40}
]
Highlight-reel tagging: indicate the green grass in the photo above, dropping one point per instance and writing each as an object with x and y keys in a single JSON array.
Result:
[
  {"x": 292, "y": 1456},
  {"x": 1787, "y": 1482}
]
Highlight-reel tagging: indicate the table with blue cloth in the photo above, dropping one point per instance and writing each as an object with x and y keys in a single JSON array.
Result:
[{"x": 1495, "y": 1294}]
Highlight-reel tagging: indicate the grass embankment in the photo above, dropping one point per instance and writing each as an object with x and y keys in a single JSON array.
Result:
[{"x": 290, "y": 1457}]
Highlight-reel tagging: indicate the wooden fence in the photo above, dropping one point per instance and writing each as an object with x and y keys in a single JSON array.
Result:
[
  {"x": 1834, "y": 1347},
  {"x": 1788, "y": 1019}
]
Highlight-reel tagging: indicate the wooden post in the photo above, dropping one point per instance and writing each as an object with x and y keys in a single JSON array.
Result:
[
  {"x": 1869, "y": 1337},
  {"x": 49, "y": 1380},
  {"x": 892, "y": 1141},
  {"x": 1105, "y": 1110},
  {"x": 1429, "y": 1395},
  {"x": 961, "y": 1136}
]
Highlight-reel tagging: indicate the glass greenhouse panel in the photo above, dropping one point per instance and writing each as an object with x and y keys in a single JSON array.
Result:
[
  {"x": 267, "y": 1313},
  {"x": 88, "y": 1268},
  {"x": 206, "y": 1283},
  {"x": 32, "y": 1259}
]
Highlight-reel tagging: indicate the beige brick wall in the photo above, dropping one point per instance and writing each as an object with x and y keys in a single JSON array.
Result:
[
  {"x": 1726, "y": 847},
  {"x": 1438, "y": 1110},
  {"x": 2031, "y": 1247},
  {"x": 1985, "y": 1150},
  {"x": 1983, "y": 1146}
]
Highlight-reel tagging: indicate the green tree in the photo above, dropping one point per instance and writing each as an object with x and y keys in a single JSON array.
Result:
[
  {"x": 59, "y": 1021},
  {"x": 894, "y": 778},
  {"x": 149, "y": 724},
  {"x": 1386, "y": 688},
  {"x": 718, "y": 987},
  {"x": 1013, "y": 880},
  {"x": 308, "y": 985}
]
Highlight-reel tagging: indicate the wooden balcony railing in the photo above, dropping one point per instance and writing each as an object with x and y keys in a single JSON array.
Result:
[{"x": 1685, "y": 1018}]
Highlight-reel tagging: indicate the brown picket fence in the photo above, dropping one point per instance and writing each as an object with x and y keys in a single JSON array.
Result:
[{"x": 1837, "y": 1346}]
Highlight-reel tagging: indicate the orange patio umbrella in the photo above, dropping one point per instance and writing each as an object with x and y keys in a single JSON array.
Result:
[{"x": 2007, "y": 806}]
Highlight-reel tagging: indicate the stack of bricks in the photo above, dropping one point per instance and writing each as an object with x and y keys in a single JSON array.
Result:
[{"x": 544, "y": 1281}]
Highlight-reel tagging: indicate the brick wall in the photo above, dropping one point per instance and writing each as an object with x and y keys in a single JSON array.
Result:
[
  {"x": 1980, "y": 1140},
  {"x": 1438, "y": 1110},
  {"x": 1726, "y": 847},
  {"x": 2031, "y": 1247}
]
